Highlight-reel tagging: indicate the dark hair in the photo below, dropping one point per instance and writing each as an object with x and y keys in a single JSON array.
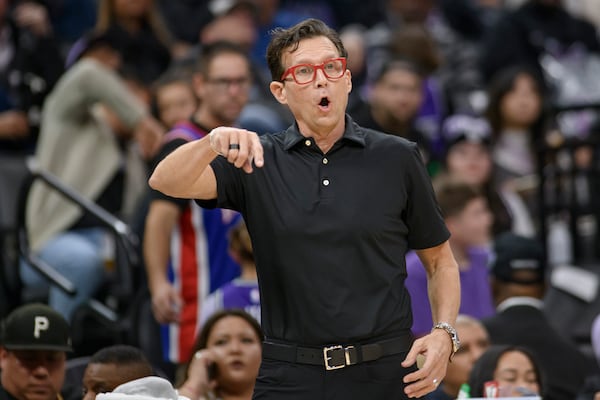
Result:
[
  {"x": 202, "y": 338},
  {"x": 414, "y": 42},
  {"x": 121, "y": 354},
  {"x": 209, "y": 324},
  {"x": 502, "y": 83},
  {"x": 284, "y": 39},
  {"x": 172, "y": 76},
  {"x": 484, "y": 367},
  {"x": 213, "y": 50},
  {"x": 395, "y": 64},
  {"x": 453, "y": 195}
]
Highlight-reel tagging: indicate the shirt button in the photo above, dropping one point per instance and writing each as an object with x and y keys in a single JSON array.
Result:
[
  {"x": 307, "y": 142},
  {"x": 325, "y": 161},
  {"x": 325, "y": 182}
]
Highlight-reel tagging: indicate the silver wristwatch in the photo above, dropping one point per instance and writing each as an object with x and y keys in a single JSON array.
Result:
[{"x": 452, "y": 333}]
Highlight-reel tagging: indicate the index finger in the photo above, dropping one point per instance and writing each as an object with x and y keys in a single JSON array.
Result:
[{"x": 257, "y": 151}]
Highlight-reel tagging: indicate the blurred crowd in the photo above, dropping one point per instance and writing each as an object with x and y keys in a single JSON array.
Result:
[{"x": 501, "y": 96}]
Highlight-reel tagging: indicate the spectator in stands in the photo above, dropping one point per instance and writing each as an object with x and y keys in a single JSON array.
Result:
[
  {"x": 513, "y": 368},
  {"x": 173, "y": 98},
  {"x": 242, "y": 292},
  {"x": 181, "y": 239},
  {"x": 145, "y": 39},
  {"x": 78, "y": 146},
  {"x": 30, "y": 65},
  {"x": 474, "y": 341},
  {"x": 518, "y": 283},
  {"x": 34, "y": 341},
  {"x": 353, "y": 38},
  {"x": 112, "y": 366},
  {"x": 521, "y": 36},
  {"x": 515, "y": 113},
  {"x": 226, "y": 358},
  {"x": 467, "y": 142},
  {"x": 457, "y": 76},
  {"x": 415, "y": 42},
  {"x": 394, "y": 101},
  {"x": 468, "y": 219},
  {"x": 235, "y": 21}
]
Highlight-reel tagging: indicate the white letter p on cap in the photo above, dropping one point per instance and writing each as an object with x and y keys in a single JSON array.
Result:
[{"x": 40, "y": 324}]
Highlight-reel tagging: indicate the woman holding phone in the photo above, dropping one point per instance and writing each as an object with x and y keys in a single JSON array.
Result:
[{"x": 225, "y": 359}]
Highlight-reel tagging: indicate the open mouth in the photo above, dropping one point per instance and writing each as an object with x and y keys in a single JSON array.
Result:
[{"x": 324, "y": 102}]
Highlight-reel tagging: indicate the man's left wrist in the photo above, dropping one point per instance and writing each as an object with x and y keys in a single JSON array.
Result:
[{"x": 451, "y": 331}]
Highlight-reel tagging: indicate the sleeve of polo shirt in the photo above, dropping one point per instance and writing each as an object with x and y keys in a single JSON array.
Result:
[
  {"x": 229, "y": 186},
  {"x": 423, "y": 216}
]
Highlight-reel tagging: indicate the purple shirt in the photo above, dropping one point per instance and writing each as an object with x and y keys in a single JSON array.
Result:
[
  {"x": 238, "y": 293},
  {"x": 476, "y": 294}
]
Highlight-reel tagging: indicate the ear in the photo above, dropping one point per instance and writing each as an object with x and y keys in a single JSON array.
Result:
[
  {"x": 348, "y": 77},
  {"x": 278, "y": 91}
]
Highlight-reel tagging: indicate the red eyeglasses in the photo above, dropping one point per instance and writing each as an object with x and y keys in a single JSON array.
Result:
[{"x": 306, "y": 73}]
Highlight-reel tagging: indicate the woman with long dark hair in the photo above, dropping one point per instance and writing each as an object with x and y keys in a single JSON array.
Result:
[
  {"x": 225, "y": 359},
  {"x": 513, "y": 369}
]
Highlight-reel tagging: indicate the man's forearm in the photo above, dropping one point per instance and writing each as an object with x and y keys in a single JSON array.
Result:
[
  {"x": 185, "y": 173},
  {"x": 160, "y": 222},
  {"x": 156, "y": 255},
  {"x": 443, "y": 282},
  {"x": 444, "y": 293}
]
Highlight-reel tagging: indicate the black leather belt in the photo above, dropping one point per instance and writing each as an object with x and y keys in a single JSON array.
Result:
[{"x": 337, "y": 356}]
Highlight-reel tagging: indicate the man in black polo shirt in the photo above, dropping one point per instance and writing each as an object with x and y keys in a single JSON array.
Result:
[{"x": 332, "y": 208}]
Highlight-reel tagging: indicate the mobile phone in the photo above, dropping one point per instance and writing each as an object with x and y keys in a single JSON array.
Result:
[{"x": 211, "y": 370}]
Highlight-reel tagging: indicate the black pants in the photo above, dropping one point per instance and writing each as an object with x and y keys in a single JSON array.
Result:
[{"x": 374, "y": 380}]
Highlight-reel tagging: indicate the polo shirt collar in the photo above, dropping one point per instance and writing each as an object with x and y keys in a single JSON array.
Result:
[{"x": 352, "y": 132}]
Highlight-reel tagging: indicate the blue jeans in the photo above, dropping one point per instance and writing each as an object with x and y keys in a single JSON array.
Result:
[{"x": 76, "y": 254}]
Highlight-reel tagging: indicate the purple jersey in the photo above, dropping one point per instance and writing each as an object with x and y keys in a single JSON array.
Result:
[{"x": 239, "y": 293}]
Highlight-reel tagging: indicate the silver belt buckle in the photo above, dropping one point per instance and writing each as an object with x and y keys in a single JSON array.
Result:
[
  {"x": 342, "y": 360},
  {"x": 327, "y": 357}
]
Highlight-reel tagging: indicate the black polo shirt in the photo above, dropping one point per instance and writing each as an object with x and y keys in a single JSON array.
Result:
[{"x": 330, "y": 232}]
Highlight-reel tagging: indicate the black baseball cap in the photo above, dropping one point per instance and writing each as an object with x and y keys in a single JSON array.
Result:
[
  {"x": 514, "y": 253},
  {"x": 35, "y": 326},
  {"x": 466, "y": 128}
]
